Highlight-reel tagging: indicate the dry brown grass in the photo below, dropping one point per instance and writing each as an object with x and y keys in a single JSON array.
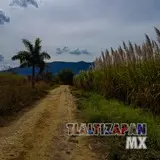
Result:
[{"x": 16, "y": 93}]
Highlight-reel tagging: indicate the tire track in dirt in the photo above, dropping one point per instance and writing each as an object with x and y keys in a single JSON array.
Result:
[{"x": 41, "y": 133}]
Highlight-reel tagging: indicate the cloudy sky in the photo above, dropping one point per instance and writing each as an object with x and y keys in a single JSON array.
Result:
[{"x": 74, "y": 30}]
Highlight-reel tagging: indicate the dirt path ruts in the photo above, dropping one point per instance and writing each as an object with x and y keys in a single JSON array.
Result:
[{"x": 41, "y": 134}]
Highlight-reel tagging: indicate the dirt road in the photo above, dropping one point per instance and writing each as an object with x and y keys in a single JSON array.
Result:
[{"x": 41, "y": 134}]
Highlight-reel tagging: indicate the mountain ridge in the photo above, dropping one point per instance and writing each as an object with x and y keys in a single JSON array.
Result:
[{"x": 56, "y": 66}]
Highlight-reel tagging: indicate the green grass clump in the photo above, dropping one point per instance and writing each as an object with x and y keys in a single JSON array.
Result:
[{"x": 95, "y": 108}]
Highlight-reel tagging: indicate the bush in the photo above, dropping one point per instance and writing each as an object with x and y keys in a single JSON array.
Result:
[
  {"x": 47, "y": 77},
  {"x": 16, "y": 93},
  {"x": 65, "y": 77}
]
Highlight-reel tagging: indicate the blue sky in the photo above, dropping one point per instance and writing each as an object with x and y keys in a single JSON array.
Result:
[{"x": 89, "y": 25}]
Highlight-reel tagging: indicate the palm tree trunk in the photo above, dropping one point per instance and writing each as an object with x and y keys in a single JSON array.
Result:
[{"x": 33, "y": 75}]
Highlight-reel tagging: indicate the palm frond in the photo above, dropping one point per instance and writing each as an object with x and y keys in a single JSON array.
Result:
[
  {"x": 15, "y": 57},
  {"x": 45, "y": 55},
  {"x": 38, "y": 46},
  {"x": 22, "y": 56},
  {"x": 28, "y": 45}
]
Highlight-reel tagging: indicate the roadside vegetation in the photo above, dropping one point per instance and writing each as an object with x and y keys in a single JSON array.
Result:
[
  {"x": 123, "y": 85},
  {"x": 95, "y": 108},
  {"x": 130, "y": 74},
  {"x": 19, "y": 92},
  {"x": 16, "y": 94}
]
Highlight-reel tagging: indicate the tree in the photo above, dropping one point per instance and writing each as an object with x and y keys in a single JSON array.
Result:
[
  {"x": 33, "y": 57},
  {"x": 65, "y": 76}
]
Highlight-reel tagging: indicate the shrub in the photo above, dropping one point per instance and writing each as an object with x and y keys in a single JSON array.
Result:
[
  {"x": 16, "y": 93},
  {"x": 65, "y": 76}
]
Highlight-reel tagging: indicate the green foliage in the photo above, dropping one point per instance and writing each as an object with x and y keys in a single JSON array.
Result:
[
  {"x": 95, "y": 108},
  {"x": 65, "y": 77},
  {"x": 33, "y": 57},
  {"x": 131, "y": 75}
]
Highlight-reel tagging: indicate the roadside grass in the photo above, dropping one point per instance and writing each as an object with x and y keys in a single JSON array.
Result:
[
  {"x": 16, "y": 94},
  {"x": 95, "y": 108},
  {"x": 130, "y": 73}
]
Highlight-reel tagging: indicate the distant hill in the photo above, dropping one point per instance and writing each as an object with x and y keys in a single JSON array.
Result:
[{"x": 56, "y": 66}]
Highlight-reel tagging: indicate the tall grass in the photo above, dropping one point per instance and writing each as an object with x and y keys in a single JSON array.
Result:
[
  {"x": 130, "y": 73},
  {"x": 16, "y": 93}
]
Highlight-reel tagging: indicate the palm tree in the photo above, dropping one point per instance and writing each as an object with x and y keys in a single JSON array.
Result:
[{"x": 33, "y": 57}]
